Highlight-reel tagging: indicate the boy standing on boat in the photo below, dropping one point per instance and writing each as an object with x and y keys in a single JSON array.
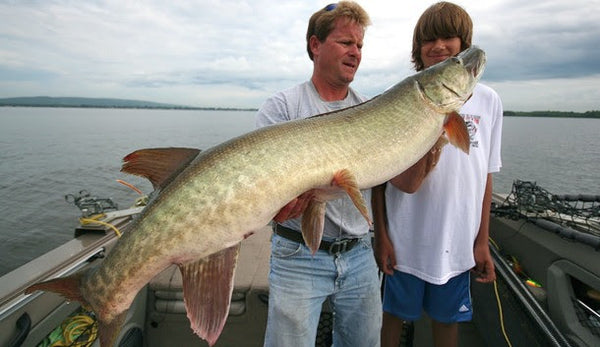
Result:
[
  {"x": 343, "y": 269},
  {"x": 436, "y": 228}
]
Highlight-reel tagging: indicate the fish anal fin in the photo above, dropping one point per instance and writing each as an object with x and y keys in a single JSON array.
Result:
[
  {"x": 313, "y": 222},
  {"x": 207, "y": 289},
  {"x": 345, "y": 180},
  {"x": 457, "y": 132},
  {"x": 158, "y": 164}
]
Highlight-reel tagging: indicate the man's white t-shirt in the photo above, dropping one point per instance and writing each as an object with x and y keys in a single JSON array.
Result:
[{"x": 342, "y": 218}]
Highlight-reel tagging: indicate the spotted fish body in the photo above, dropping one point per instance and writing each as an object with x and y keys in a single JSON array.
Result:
[{"x": 207, "y": 202}]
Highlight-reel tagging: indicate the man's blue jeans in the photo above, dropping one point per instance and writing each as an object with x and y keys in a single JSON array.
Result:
[{"x": 299, "y": 283}]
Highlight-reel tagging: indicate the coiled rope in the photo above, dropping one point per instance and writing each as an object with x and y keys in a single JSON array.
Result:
[{"x": 78, "y": 330}]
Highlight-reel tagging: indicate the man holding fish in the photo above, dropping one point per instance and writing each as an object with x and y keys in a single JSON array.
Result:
[
  {"x": 208, "y": 202},
  {"x": 343, "y": 269}
]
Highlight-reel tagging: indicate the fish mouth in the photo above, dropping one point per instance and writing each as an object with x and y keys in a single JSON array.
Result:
[
  {"x": 473, "y": 60},
  {"x": 449, "y": 88}
]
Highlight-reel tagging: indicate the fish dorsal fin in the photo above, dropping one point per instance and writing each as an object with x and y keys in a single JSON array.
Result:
[
  {"x": 207, "y": 289},
  {"x": 457, "y": 132},
  {"x": 158, "y": 164}
]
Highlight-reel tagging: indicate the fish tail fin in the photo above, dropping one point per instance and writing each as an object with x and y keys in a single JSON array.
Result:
[
  {"x": 68, "y": 287},
  {"x": 457, "y": 132}
]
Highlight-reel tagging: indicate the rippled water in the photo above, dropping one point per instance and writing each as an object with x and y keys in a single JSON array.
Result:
[
  {"x": 46, "y": 153},
  {"x": 562, "y": 155}
]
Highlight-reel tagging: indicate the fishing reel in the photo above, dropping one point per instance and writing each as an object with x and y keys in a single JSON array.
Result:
[{"x": 91, "y": 205}]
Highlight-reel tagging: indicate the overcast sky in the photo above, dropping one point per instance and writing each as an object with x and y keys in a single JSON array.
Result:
[{"x": 542, "y": 54}]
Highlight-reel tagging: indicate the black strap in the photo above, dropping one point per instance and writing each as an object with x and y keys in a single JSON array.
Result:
[{"x": 334, "y": 247}]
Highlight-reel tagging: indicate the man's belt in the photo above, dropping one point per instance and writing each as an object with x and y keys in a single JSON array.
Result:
[{"x": 334, "y": 247}]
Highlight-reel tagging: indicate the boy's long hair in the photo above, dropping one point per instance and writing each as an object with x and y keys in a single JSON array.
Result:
[{"x": 441, "y": 20}]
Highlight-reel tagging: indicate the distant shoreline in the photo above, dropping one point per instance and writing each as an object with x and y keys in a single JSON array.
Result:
[
  {"x": 77, "y": 102},
  {"x": 183, "y": 108},
  {"x": 553, "y": 114},
  {"x": 538, "y": 114}
]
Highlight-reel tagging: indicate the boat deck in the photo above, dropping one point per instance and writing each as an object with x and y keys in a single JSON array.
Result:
[{"x": 551, "y": 315}]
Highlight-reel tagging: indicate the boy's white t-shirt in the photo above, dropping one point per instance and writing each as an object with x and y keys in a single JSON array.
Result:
[{"x": 433, "y": 230}]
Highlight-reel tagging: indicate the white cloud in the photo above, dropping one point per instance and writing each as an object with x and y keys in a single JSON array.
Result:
[
  {"x": 232, "y": 53},
  {"x": 561, "y": 94}
]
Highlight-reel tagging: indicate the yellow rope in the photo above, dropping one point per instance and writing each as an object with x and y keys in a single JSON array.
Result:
[
  {"x": 93, "y": 220},
  {"x": 494, "y": 243},
  {"x": 501, "y": 315},
  {"x": 79, "y": 329},
  {"x": 77, "y": 326}
]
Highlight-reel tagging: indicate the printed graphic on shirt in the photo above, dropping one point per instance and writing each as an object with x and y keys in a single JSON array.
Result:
[{"x": 472, "y": 122}]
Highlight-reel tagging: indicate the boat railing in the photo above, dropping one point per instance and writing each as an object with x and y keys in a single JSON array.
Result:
[
  {"x": 575, "y": 216},
  {"x": 63, "y": 260}
]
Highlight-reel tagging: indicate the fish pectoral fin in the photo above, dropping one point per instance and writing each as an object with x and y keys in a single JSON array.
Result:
[
  {"x": 457, "y": 132},
  {"x": 345, "y": 180},
  {"x": 158, "y": 165},
  {"x": 313, "y": 222},
  {"x": 207, "y": 289}
]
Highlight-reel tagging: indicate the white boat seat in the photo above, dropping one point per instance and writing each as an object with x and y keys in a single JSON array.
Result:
[{"x": 251, "y": 273}]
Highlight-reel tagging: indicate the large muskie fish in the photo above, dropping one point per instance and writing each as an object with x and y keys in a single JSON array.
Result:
[{"x": 208, "y": 202}]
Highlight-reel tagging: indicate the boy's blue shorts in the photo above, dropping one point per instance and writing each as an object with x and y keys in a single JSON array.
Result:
[{"x": 406, "y": 296}]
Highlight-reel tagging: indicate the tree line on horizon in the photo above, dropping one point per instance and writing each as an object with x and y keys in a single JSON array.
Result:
[
  {"x": 45, "y": 101},
  {"x": 562, "y": 114}
]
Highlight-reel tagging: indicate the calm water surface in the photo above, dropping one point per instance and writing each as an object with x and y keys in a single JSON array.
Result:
[
  {"x": 46, "y": 153},
  {"x": 562, "y": 155}
]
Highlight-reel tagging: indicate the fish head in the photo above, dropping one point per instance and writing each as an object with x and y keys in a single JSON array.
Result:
[{"x": 449, "y": 84}]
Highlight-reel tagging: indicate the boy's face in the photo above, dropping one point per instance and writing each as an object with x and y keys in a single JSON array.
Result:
[{"x": 438, "y": 50}]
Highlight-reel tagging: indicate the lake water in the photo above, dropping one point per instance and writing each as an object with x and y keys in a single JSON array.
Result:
[{"x": 46, "y": 153}]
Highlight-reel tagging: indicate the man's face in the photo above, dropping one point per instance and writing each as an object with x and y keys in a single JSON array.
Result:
[
  {"x": 338, "y": 57},
  {"x": 435, "y": 51}
]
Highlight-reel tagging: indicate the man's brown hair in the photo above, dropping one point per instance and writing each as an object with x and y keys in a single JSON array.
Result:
[{"x": 321, "y": 22}]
